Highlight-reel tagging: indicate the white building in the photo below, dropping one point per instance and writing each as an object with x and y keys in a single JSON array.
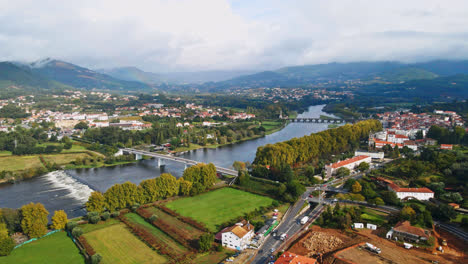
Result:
[
  {"x": 348, "y": 163},
  {"x": 411, "y": 193},
  {"x": 397, "y": 138},
  {"x": 371, "y": 226},
  {"x": 358, "y": 225},
  {"x": 238, "y": 236},
  {"x": 373, "y": 155}
]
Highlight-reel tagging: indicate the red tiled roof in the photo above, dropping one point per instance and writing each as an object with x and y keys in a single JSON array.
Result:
[
  {"x": 397, "y": 188},
  {"x": 348, "y": 161},
  {"x": 400, "y": 136},
  {"x": 291, "y": 258},
  {"x": 406, "y": 227}
]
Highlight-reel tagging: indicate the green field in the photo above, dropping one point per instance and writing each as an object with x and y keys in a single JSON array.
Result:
[
  {"x": 373, "y": 217},
  {"x": 15, "y": 163},
  {"x": 5, "y": 153},
  {"x": 54, "y": 249},
  {"x": 116, "y": 244},
  {"x": 211, "y": 258},
  {"x": 176, "y": 223},
  {"x": 157, "y": 233},
  {"x": 62, "y": 159},
  {"x": 92, "y": 227},
  {"x": 219, "y": 206}
]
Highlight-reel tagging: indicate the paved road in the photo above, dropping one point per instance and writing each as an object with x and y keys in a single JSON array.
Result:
[
  {"x": 453, "y": 229},
  {"x": 290, "y": 224}
]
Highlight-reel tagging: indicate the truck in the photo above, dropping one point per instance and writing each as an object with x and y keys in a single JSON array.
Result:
[
  {"x": 304, "y": 220},
  {"x": 373, "y": 248}
]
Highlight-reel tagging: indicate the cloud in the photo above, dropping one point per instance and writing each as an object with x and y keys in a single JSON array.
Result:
[{"x": 179, "y": 35}]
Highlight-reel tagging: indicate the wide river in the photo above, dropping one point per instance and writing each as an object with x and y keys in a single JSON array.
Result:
[{"x": 69, "y": 190}]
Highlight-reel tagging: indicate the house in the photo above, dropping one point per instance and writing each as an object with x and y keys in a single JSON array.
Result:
[
  {"x": 237, "y": 236},
  {"x": 371, "y": 226},
  {"x": 291, "y": 258},
  {"x": 411, "y": 193},
  {"x": 380, "y": 144},
  {"x": 348, "y": 163},
  {"x": 454, "y": 205},
  {"x": 446, "y": 146},
  {"x": 358, "y": 225},
  {"x": 405, "y": 231}
]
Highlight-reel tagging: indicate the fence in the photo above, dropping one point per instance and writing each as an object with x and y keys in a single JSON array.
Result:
[{"x": 36, "y": 238}]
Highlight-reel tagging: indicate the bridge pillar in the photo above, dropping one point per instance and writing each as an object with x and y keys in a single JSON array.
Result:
[
  {"x": 119, "y": 153},
  {"x": 138, "y": 156},
  {"x": 161, "y": 163}
]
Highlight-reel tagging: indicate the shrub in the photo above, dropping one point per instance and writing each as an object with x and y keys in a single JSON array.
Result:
[
  {"x": 153, "y": 218},
  {"x": 219, "y": 248},
  {"x": 92, "y": 214},
  {"x": 6, "y": 245},
  {"x": 105, "y": 216},
  {"x": 94, "y": 219},
  {"x": 77, "y": 232},
  {"x": 70, "y": 226},
  {"x": 115, "y": 214},
  {"x": 96, "y": 259},
  {"x": 135, "y": 207}
]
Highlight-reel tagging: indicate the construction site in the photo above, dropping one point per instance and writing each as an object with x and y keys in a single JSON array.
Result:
[{"x": 365, "y": 246}]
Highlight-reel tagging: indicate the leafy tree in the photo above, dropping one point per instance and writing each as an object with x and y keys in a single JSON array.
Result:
[
  {"x": 81, "y": 125},
  {"x": 34, "y": 219},
  {"x": 356, "y": 188},
  {"x": 239, "y": 165},
  {"x": 390, "y": 197},
  {"x": 407, "y": 213},
  {"x": 59, "y": 220},
  {"x": 96, "y": 202},
  {"x": 77, "y": 232},
  {"x": 71, "y": 225},
  {"x": 205, "y": 242},
  {"x": 379, "y": 201},
  {"x": 96, "y": 259},
  {"x": 185, "y": 187},
  {"x": 105, "y": 216},
  {"x": 363, "y": 166},
  {"x": 7, "y": 244},
  {"x": 342, "y": 172}
]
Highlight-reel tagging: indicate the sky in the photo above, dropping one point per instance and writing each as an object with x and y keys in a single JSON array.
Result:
[{"x": 199, "y": 35}]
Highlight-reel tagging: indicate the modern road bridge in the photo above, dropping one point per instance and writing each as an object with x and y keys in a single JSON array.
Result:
[
  {"x": 317, "y": 120},
  {"x": 140, "y": 153}
]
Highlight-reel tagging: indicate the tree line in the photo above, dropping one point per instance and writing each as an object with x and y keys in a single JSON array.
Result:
[
  {"x": 312, "y": 147},
  {"x": 196, "y": 179}
]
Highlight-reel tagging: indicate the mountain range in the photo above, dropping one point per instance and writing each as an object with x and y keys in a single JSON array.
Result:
[{"x": 56, "y": 74}]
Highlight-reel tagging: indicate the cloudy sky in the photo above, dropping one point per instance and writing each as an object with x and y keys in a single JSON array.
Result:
[{"x": 192, "y": 35}]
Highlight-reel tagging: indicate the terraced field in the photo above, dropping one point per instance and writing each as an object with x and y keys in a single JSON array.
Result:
[{"x": 191, "y": 231}]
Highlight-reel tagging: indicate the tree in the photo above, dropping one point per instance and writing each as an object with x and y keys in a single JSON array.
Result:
[
  {"x": 356, "y": 188},
  {"x": 34, "y": 220},
  {"x": 363, "y": 166},
  {"x": 59, "y": 220},
  {"x": 96, "y": 259},
  {"x": 379, "y": 201},
  {"x": 342, "y": 172},
  {"x": 205, "y": 241},
  {"x": 407, "y": 213},
  {"x": 184, "y": 187},
  {"x": 81, "y": 125},
  {"x": 96, "y": 202},
  {"x": 7, "y": 244},
  {"x": 239, "y": 165},
  {"x": 77, "y": 232}
]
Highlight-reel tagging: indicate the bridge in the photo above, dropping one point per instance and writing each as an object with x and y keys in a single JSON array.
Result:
[
  {"x": 318, "y": 120},
  {"x": 161, "y": 157}
]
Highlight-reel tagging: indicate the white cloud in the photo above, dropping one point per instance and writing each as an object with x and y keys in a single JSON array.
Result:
[{"x": 163, "y": 35}]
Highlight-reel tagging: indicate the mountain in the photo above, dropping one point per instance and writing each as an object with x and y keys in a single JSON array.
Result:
[
  {"x": 394, "y": 72},
  {"x": 16, "y": 80},
  {"x": 80, "y": 77},
  {"x": 135, "y": 74}
]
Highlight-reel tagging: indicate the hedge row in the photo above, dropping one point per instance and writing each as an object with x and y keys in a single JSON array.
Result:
[
  {"x": 184, "y": 219},
  {"x": 87, "y": 247}
]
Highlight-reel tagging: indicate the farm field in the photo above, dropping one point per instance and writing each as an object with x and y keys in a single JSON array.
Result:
[
  {"x": 15, "y": 163},
  {"x": 92, "y": 227},
  {"x": 219, "y": 206},
  {"x": 53, "y": 249},
  {"x": 211, "y": 258},
  {"x": 373, "y": 217},
  {"x": 162, "y": 237},
  {"x": 66, "y": 158},
  {"x": 193, "y": 232},
  {"x": 116, "y": 244}
]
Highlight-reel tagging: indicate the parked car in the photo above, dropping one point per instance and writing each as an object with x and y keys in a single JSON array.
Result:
[
  {"x": 311, "y": 196},
  {"x": 272, "y": 250}
]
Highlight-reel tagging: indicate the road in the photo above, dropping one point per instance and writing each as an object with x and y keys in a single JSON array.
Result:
[
  {"x": 290, "y": 225},
  {"x": 452, "y": 229}
]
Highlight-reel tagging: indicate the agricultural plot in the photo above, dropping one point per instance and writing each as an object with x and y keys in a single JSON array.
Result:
[
  {"x": 116, "y": 244},
  {"x": 102, "y": 224},
  {"x": 374, "y": 217},
  {"x": 163, "y": 242},
  {"x": 53, "y": 249},
  {"x": 16, "y": 163},
  {"x": 62, "y": 159},
  {"x": 190, "y": 231},
  {"x": 219, "y": 206}
]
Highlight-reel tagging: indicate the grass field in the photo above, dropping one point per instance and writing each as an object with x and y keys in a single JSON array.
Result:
[
  {"x": 157, "y": 233},
  {"x": 211, "y": 258},
  {"x": 62, "y": 159},
  {"x": 176, "y": 223},
  {"x": 15, "y": 163},
  {"x": 373, "y": 217},
  {"x": 116, "y": 244},
  {"x": 5, "y": 153},
  {"x": 54, "y": 249},
  {"x": 92, "y": 227},
  {"x": 219, "y": 206}
]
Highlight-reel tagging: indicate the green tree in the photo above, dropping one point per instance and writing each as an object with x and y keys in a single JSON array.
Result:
[
  {"x": 96, "y": 259},
  {"x": 205, "y": 242},
  {"x": 59, "y": 220},
  {"x": 407, "y": 213},
  {"x": 96, "y": 202},
  {"x": 81, "y": 125},
  {"x": 342, "y": 172},
  {"x": 185, "y": 187},
  {"x": 356, "y": 188},
  {"x": 34, "y": 220},
  {"x": 7, "y": 243},
  {"x": 363, "y": 166},
  {"x": 239, "y": 165}
]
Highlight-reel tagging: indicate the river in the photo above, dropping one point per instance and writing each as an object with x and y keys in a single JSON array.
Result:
[{"x": 69, "y": 190}]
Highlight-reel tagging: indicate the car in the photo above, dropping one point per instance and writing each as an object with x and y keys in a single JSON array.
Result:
[
  {"x": 272, "y": 250},
  {"x": 311, "y": 196}
]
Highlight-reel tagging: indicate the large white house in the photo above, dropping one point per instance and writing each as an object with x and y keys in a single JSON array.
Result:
[
  {"x": 411, "y": 193},
  {"x": 347, "y": 163},
  {"x": 237, "y": 236}
]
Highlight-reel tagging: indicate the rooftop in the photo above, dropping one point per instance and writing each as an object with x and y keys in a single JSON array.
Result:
[
  {"x": 348, "y": 161},
  {"x": 291, "y": 258},
  {"x": 406, "y": 227}
]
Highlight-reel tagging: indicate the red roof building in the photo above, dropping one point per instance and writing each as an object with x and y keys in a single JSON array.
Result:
[
  {"x": 291, "y": 258},
  {"x": 446, "y": 146}
]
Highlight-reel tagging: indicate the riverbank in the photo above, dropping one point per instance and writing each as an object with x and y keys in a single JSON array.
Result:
[{"x": 270, "y": 128}]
